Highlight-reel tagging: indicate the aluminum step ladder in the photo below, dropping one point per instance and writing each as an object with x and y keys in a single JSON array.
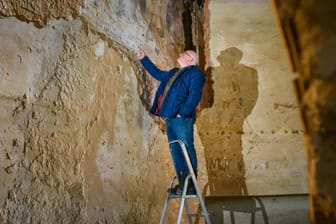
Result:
[{"x": 184, "y": 196}]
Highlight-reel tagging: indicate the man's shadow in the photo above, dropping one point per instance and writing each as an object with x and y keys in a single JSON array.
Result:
[
  {"x": 233, "y": 95},
  {"x": 220, "y": 127}
]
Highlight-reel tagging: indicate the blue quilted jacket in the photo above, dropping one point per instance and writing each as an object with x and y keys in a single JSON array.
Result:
[{"x": 183, "y": 96}]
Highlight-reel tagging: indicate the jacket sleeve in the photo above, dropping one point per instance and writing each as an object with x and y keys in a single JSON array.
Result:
[
  {"x": 153, "y": 70},
  {"x": 195, "y": 93}
]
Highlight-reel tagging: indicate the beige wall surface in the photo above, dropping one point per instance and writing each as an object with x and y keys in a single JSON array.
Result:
[
  {"x": 77, "y": 143},
  {"x": 253, "y": 140}
]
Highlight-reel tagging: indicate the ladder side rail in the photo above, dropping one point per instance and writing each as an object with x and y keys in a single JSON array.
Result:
[
  {"x": 164, "y": 211},
  {"x": 188, "y": 212},
  {"x": 165, "y": 207},
  {"x": 183, "y": 200},
  {"x": 193, "y": 177}
]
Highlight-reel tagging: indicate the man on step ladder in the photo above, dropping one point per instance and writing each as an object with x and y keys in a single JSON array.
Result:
[{"x": 175, "y": 101}]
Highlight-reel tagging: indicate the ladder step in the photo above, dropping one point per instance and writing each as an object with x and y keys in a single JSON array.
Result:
[{"x": 170, "y": 195}]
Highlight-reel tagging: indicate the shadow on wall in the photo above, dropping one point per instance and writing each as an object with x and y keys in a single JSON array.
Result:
[{"x": 221, "y": 126}]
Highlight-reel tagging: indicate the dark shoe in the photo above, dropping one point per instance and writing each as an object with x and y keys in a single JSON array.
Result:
[
  {"x": 190, "y": 189},
  {"x": 175, "y": 189},
  {"x": 178, "y": 189}
]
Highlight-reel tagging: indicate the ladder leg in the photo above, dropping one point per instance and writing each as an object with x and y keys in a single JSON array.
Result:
[
  {"x": 183, "y": 201},
  {"x": 188, "y": 211},
  {"x": 180, "y": 211},
  {"x": 164, "y": 211},
  {"x": 200, "y": 198}
]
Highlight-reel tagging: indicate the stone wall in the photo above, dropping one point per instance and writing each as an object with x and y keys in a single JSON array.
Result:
[
  {"x": 75, "y": 136},
  {"x": 77, "y": 144}
]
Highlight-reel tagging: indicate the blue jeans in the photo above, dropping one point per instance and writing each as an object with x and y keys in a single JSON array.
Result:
[{"x": 181, "y": 129}]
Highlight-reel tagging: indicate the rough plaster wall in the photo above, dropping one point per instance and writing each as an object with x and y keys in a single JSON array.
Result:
[
  {"x": 310, "y": 30},
  {"x": 24, "y": 75},
  {"x": 69, "y": 152},
  {"x": 77, "y": 143},
  {"x": 252, "y": 134},
  {"x": 152, "y": 25},
  {"x": 40, "y": 12}
]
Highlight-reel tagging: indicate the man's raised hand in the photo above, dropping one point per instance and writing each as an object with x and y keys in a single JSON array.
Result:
[{"x": 141, "y": 54}]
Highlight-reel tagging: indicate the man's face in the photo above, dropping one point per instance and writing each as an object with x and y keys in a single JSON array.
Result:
[{"x": 185, "y": 58}]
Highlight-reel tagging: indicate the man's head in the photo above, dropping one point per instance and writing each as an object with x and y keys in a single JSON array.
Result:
[{"x": 187, "y": 58}]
